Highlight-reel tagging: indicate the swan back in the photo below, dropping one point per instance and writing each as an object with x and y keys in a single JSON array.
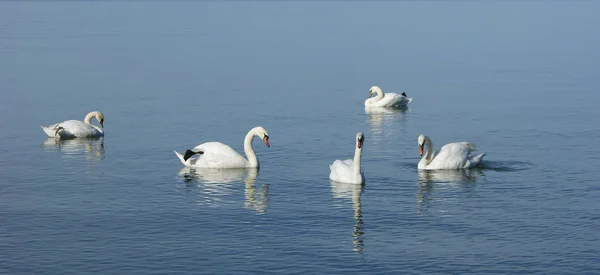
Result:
[{"x": 214, "y": 155}]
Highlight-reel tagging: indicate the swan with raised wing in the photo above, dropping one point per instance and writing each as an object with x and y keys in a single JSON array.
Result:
[
  {"x": 382, "y": 99},
  {"x": 219, "y": 155},
  {"x": 349, "y": 171},
  {"x": 455, "y": 155},
  {"x": 77, "y": 128}
]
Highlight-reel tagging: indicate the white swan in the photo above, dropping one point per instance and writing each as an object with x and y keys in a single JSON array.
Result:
[
  {"x": 452, "y": 155},
  {"x": 77, "y": 128},
  {"x": 348, "y": 171},
  {"x": 386, "y": 100},
  {"x": 219, "y": 155}
]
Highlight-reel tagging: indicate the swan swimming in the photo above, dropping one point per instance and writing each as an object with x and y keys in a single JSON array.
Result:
[
  {"x": 386, "y": 99},
  {"x": 455, "y": 155},
  {"x": 77, "y": 128},
  {"x": 219, "y": 155},
  {"x": 348, "y": 171}
]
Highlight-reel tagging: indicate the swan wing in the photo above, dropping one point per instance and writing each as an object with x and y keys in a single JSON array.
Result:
[
  {"x": 455, "y": 156},
  {"x": 341, "y": 171},
  {"x": 217, "y": 155},
  {"x": 396, "y": 100}
]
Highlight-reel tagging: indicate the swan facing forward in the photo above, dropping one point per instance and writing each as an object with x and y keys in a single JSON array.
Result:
[
  {"x": 386, "y": 100},
  {"x": 77, "y": 128},
  {"x": 348, "y": 171},
  {"x": 455, "y": 155},
  {"x": 219, "y": 155}
]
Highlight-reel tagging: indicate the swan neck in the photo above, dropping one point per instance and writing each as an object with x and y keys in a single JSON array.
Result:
[
  {"x": 88, "y": 117},
  {"x": 379, "y": 95},
  {"x": 250, "y": 155},
  {"x": 356, "y": 161},
  {"x": 429, "y": 154}
]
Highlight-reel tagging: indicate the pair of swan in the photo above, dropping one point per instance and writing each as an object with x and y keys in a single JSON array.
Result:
[
  {"x": 210, "y": 154},
  {"x": 77, "y": 128},
  {"x": 457, "y": 155}
]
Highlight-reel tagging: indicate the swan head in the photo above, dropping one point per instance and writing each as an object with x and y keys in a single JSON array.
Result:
[
  {"x": 374, "y": 90},
  {"x": 262, "y": 133},
  {"x": 360, "y": 139},
  {"x": 100, "y": 117},
  {"x": 421, "y": 140}
]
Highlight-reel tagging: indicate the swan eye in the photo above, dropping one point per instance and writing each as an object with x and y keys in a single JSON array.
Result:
[{"x": 266, "y": 136}]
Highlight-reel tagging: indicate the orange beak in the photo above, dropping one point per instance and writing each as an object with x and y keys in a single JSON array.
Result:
[
  {"x": 420, "y": 150},
  {"x": 266, "y": 140},
  {"x": 359, "y": 144}
]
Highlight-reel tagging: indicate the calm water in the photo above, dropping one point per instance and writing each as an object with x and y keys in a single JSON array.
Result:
[{"x": 519, "y": 79}]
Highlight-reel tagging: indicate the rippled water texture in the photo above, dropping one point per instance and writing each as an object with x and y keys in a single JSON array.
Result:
[{"x": 518, "y": 79}]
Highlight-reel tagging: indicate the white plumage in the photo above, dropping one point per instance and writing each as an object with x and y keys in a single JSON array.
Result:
[
  {"x": 77, "y": 128},
  {"x": 349, "y": 171},
  {"x": 219, "y": 155},
  {"x": 456, "y": 155},
  {"x": 386, "y": 99}
]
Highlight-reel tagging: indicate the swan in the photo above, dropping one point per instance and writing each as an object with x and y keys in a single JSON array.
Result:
[
  {"x": 348, "y": 171},
  {"x": 455, "y": 155},
  {"x": 219, "y": 155},
  {"x": 386, "y": 100},
  {"x": 77, "y": 128}
]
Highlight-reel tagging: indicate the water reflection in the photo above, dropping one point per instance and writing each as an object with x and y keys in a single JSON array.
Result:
[
  {"x": 381, "y": 119},
  {"x": 91, "y": 148},
  {"x": 344, "y": 191},
  {"x": 463, "y": 180},
  {"x": 214, "y": 186},
  {"x": 449, "y": 176},
  {"x": 256, "y": 199}
]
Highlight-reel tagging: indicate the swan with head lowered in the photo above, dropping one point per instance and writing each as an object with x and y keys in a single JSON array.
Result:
[
  {"x": 77, "y": 128},
  {"x": 219, "y": 155},
  {"x": 386, "y": 99},
  {"x": 348, "y": 171},
  {"x": 457, "y": 155}
]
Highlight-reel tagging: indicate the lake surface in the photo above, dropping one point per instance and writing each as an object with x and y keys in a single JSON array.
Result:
[{"x": 519, "y": 79}]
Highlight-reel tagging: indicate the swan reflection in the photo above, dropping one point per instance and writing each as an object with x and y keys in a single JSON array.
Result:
[
  {"x": 431, "y": 180},
  {"x": 380, "y": 118},
  {"x": 449, "y": 176},
  {"x": 91, "y": 148},
  {"x": 214, "y": 186},
  {"x": 345, "y": 191},
  {"x": 256, "y": 199}
]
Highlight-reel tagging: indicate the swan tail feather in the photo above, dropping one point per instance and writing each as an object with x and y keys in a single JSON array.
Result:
[
  {"x": 50, "y": 132},
  {"x": 476, "y": 160},
  {"x": 180, "y": 157}
]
